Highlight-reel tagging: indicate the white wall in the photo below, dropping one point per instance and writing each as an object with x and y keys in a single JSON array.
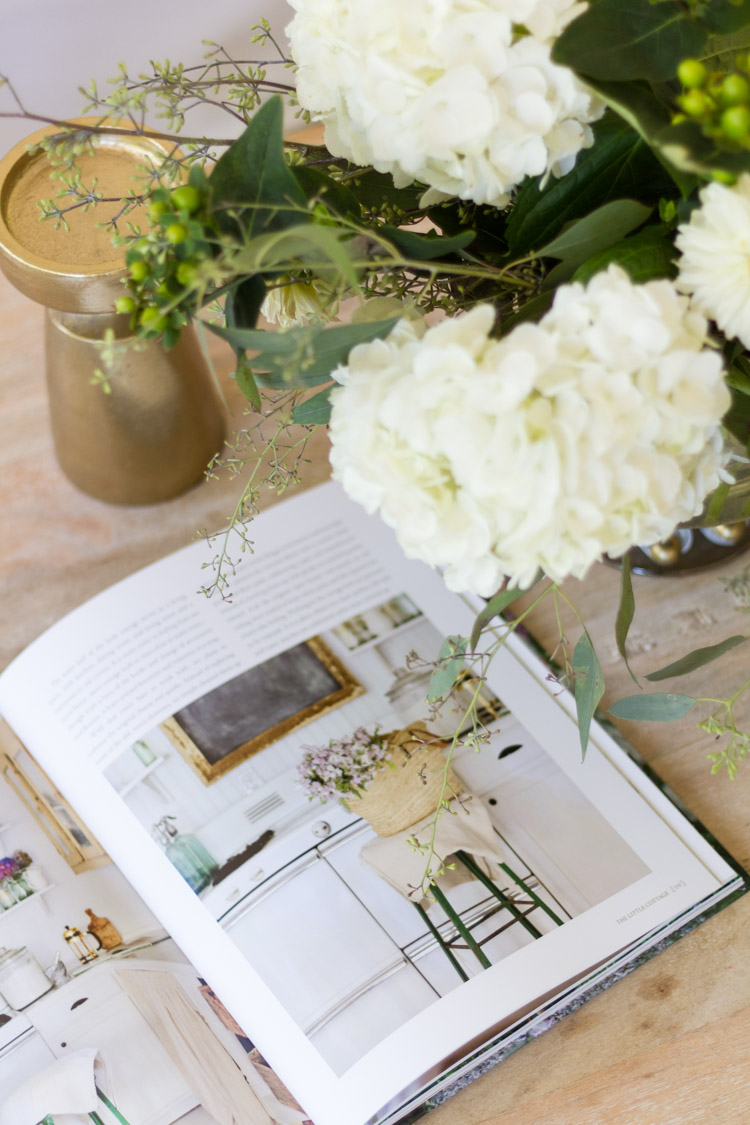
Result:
[
  {"x": 103, "y": 889},
  {"x": 49, "y": 48}
]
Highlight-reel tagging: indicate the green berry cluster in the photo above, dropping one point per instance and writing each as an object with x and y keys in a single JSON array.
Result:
[
  {"x": 719, "y": 102},
  {"x": 164, "y": 266}
]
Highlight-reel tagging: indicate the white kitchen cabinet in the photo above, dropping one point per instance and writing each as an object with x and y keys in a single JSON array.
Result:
[
  {"x": 21, "y": 1060},
  {"x": 94, "y": 1011},
  {"x": 368, "y": 1018},
  {"x": 312, "y": 940}
]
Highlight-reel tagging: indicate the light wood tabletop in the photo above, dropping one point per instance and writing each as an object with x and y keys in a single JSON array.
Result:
[{"x": 667, "y": 1045}]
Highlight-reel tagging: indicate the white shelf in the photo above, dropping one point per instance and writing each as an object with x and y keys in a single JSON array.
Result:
[
  {"x": 145, "y": 772},
  {"x": 373, "y": 641},
  {"x": 36, "y": 896}
]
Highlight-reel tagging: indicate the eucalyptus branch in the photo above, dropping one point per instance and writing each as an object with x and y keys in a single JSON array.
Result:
[{"x": 470, "y": 715}]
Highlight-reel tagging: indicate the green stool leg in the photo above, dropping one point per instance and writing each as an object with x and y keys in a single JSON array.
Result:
[
  {"x": 498, "y": 894},
  {"x": 112, "y": 1108},
  {"x": 443, "y": 944},
  {"x": 465, "y": 933},
  {"x": 534, "y": 898}
]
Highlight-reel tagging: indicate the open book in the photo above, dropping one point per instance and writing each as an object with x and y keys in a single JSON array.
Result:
[{"x": 174, "y": 726}]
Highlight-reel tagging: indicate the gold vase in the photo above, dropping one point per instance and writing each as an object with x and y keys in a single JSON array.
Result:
[{"x": 151, "y": 437}]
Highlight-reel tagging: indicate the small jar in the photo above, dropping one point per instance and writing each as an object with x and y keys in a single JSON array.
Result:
[
  {"x": 7, "y": 898},
  {"x": 20, "y": 887}
]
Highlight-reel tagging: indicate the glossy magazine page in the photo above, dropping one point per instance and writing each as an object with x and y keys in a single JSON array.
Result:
[{"x": 176, "y": 725}]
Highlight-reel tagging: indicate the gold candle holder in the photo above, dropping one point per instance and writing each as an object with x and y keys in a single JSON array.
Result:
[{"x": 151, "y": 437}]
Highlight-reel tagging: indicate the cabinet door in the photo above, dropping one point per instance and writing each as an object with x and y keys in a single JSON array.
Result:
[
  {"x": 573, "y": 851},
  {"x": 399, "y": 917},
  {"x": 20, "y": 1061},
  {"x": 311, "y": 940},
  {"x": 59, "y": 821},
  {"x": 141, "y": 1079},
  {"x": 367, "y": 1019}
]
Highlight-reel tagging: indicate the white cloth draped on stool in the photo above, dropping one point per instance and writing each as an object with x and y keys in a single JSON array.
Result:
[
  {"x": 66, "y": 1089},
  {"x": 463, "y": 826}
]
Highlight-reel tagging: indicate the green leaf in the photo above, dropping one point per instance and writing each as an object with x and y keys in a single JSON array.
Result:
[
  {"x": 588, "y": 686},
  {"x": 246, "y": 383},
  {"x": 335, "y": 195},
  {"x": 450, "y": 661},
  {"x": 716, "y": 503},
  {"x": 657, "y": 707},
  {"x": 721, "y": 50},
  {"x": 301, "y": 357},
  {"x": 532, "y": 310},
  {"x": 618, "y": 165},
  {"x": 253, "y": 177},
  {"x": 424, "y": 247},
  {"x": 623, "y": 40},
  {"x": 687, "y": 148},
  {"x": 376, "y": 191},
  {"x": 323, "y": 249},
  {"x": 315, "y": 411},
  {"x": 625, "y": 612},
  {"x": 597, "y": 231},
  {"x": 494, "y": 606},
  {"x": 726, "y": 15},
  {"x": 697, "y": 659},
  {"x": 243, "y": 303},
  {"x": 645, "y": 255},
  {"x": 647, "y": 113},
  {"x": 738, "y": 375}
]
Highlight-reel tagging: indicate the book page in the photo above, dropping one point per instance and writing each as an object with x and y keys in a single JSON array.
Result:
[{"x": 176, "y": 726}]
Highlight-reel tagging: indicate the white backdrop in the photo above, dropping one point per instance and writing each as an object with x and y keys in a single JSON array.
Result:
[{"x": 48, "y": 48}]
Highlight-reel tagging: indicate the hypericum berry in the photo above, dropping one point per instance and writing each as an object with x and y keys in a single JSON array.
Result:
[
  {"x": 692, "y": 73},
  {"x": 165, "y": 290},
  {"x": 695, "y": 103},
  {"x": 735, "y": 122},
  {"x": 186, "y": 273},
  {"x": 139, "y": 270},
  {"x": 156, "y": 209},
  {"x": 175, "y": 233},
  {"x": 125, "y": 305},
  {"x": 153, "y": 319},
  {"x": 735, "y": 90},
  {"x": 186, "y": 198}
]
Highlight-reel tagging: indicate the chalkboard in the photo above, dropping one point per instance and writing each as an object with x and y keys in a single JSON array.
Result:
[{"x": 224, "y": 727}]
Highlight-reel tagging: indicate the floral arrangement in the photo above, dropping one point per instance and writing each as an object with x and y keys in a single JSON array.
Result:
[
  {"x": 344, "y": 766},
  {"x": 9, "y": 868},
  {"x": 13, "y": 885},
  {"x": 538, "y": 214}
]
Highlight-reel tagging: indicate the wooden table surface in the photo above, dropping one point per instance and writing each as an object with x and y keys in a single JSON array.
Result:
[{"x": 666, "y": 1046}]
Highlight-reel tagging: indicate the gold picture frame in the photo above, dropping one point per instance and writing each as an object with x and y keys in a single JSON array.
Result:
[{"x": 220, "y": 730}]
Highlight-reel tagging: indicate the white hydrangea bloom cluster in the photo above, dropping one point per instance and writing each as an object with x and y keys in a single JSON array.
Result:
[
  {"x": 458, "y": 94},
  {"x": 594, "y": 430},
  {"x": 715, "y": 262}
]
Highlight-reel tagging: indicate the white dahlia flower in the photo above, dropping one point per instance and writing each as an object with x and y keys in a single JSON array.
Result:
[
  {"x": 594, "y": 430},
  {"x": 459, "y": 94},
  {"x": 715, "y": 262}
]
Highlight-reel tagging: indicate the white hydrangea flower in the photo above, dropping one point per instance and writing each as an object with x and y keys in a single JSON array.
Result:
[
  {"x": 594, "y": 430},
  {"x": 459, "y": 94},
  {"x": 715, "y": 262}
]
